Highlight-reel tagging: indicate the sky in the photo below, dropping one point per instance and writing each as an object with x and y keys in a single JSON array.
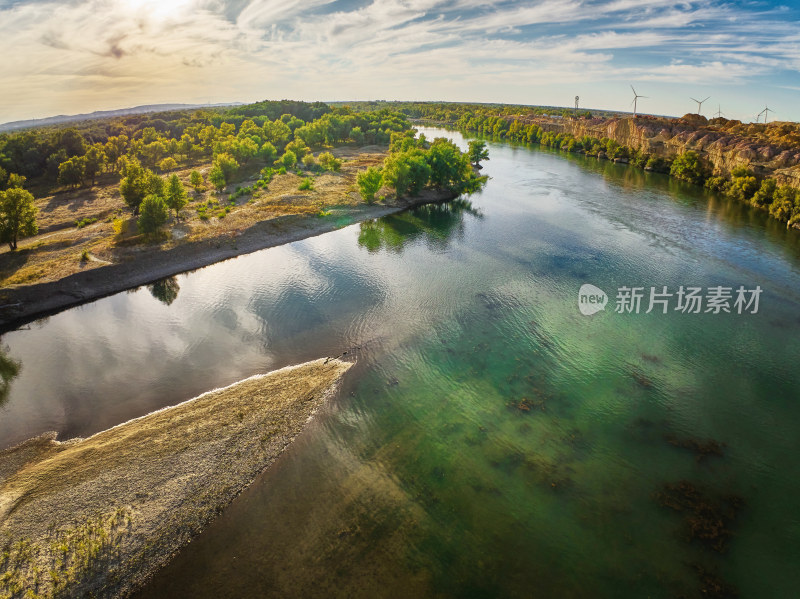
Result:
[{"x": 76, "y": 56}]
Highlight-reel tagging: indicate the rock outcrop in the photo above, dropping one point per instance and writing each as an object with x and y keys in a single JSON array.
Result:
[{"x": 719, "y": 142}]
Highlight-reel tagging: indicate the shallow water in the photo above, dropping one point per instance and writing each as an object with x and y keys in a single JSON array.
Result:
[{"x": 491, "y": 441}]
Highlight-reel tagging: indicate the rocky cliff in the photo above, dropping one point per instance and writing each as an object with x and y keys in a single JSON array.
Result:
[{"x": 723, "y": 144}]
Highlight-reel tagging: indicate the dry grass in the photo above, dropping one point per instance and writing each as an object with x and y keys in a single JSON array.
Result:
[
  {"x": 99, "y": 515},
  {"x": 56, "y": 252}
]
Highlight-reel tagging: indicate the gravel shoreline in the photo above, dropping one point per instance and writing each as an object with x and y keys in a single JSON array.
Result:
[{"x": 98, "y": 516}]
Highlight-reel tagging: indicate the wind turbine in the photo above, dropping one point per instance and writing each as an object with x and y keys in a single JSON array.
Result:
[
  {"x": 699, "y": 103},
  {"x": 719, "y": 114},
  {"x": 765, "y": 112},
  {"x": 635, "y": 97}
]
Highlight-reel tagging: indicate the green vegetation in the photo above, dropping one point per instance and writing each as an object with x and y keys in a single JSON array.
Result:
[
  {"x": 328, "y": 162},
  {"x": 17, "y": 215},
  {"x": 71, "y": 556},
  {"x": 415, "y": 164},
  {"x": 175, "y": 194},
  {"x": 153, "y": 214},
  {"x": 196, "y": 179},
  {"x": 477, "y": 152},
  {"x": 369, "y": 183},
  {"x": 687, "y": 166},
  {"x": 515, "y": 123},
  {"x": 305, "y": 184}
]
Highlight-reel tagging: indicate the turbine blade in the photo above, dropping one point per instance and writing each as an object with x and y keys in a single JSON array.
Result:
[
  {"x": 693, "y": 99},
  {"x": 634, "y": 91},
  {"x": 706, "y": 98}
]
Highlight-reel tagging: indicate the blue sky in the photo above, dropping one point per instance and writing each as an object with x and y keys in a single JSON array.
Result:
[{"x": 84, "y": 55}]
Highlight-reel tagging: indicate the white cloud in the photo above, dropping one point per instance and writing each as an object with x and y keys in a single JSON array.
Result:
[{"x": 94, "y": 54}]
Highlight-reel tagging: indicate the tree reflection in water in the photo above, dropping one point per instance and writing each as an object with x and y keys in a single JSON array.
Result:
[{"x": 436, "y": 223}]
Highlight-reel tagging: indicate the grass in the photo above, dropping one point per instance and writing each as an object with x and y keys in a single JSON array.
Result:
[
  {"x": 85, "y": 221},
  {"x": 33, "y": 570}
]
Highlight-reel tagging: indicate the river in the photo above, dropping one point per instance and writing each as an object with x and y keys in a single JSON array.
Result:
[{"x": 492, "y": 441}]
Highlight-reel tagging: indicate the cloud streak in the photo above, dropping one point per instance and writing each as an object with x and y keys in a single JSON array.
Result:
[{"x": 95, "y": 54}]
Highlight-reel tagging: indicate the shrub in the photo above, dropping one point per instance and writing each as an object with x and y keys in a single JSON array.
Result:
[
  {"x": 369, "y": 182},
  {"x": 328, "y": 162},
  {"x": 306, "y": 183}
]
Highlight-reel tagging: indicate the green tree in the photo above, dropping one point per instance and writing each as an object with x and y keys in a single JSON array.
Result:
[
  {"x": 288, "y": 160},
  {"x": 477, "y": 152},
  {"x": 17, "y": 215},
  {"x": 196, "y": 179},
  {"x": 328, "y": 162},
  {"x": 369, "y": 182},
  {"x": 407, "y": 172},
  {"x": 95, "y": 161},
  {"x": 138, "y": 183},
  {"x": 688, "y": 167},
  {"x": 168, "y": 164},
  {"x": 15, "y": 180},
  {"x": 72, "y": 171},
  {"x": 153, "y": 214},
  {"x": 450, "y": 169},
  {"x": 228, "y": 164},
  {"x": 175, "y": 194},
  {"x": 765, "y": 194},
  {"x": 268, "y": 153},
  {"x": 217, "y": 178}
]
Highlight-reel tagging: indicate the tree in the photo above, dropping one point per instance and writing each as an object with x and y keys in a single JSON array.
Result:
[
  {"x": 477, "y": 152},
  {"x": 227, "y": 163},
  {"x": 369, "y": 182},
  {"x": 138, "y": 183},
  {"x": 196, "y": 179},
  {"x": 152, "y": 214},
  {"x": 289, "y": 159},
  {"x": 168, "y": 164},
  {"x": 95, "y": 161},
  {"x": 688, "y": 167},
  {"x": 450, "y": 169},
  {"x": 217, "y": 178},
  {"x": 72, "y": 171},
  {"x": 268, "y": 153},
  {"x": 766, "y": 193},
  {"x": 17, "y": 215},
  {"x": 328, "y": 162},
  {"x": 407, "y": 172},
  {"x": 175, "y": 194}
]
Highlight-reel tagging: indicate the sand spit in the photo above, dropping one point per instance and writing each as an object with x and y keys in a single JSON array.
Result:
[{"x": 96, "y": 517}]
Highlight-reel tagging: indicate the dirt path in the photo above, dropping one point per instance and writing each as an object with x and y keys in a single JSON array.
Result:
[{"x": 97, "y": 516}]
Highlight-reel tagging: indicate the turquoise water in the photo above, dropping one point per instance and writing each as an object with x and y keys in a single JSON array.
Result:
[{"x": 491, "y": 441}]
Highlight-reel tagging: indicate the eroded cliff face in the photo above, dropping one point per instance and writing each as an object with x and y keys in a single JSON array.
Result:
[{"x": 666, "y": 138}]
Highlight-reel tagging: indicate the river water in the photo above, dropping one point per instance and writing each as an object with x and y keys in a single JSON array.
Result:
[{"x": 491, "y": 441}]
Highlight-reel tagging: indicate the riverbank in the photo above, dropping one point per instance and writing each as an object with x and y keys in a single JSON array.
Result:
[
  {"x": 97, "y": 516},
  {"x": 24, "y": 303}
]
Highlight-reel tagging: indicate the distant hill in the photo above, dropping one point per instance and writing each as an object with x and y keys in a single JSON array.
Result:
[{"x": 100, "y": 114}]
